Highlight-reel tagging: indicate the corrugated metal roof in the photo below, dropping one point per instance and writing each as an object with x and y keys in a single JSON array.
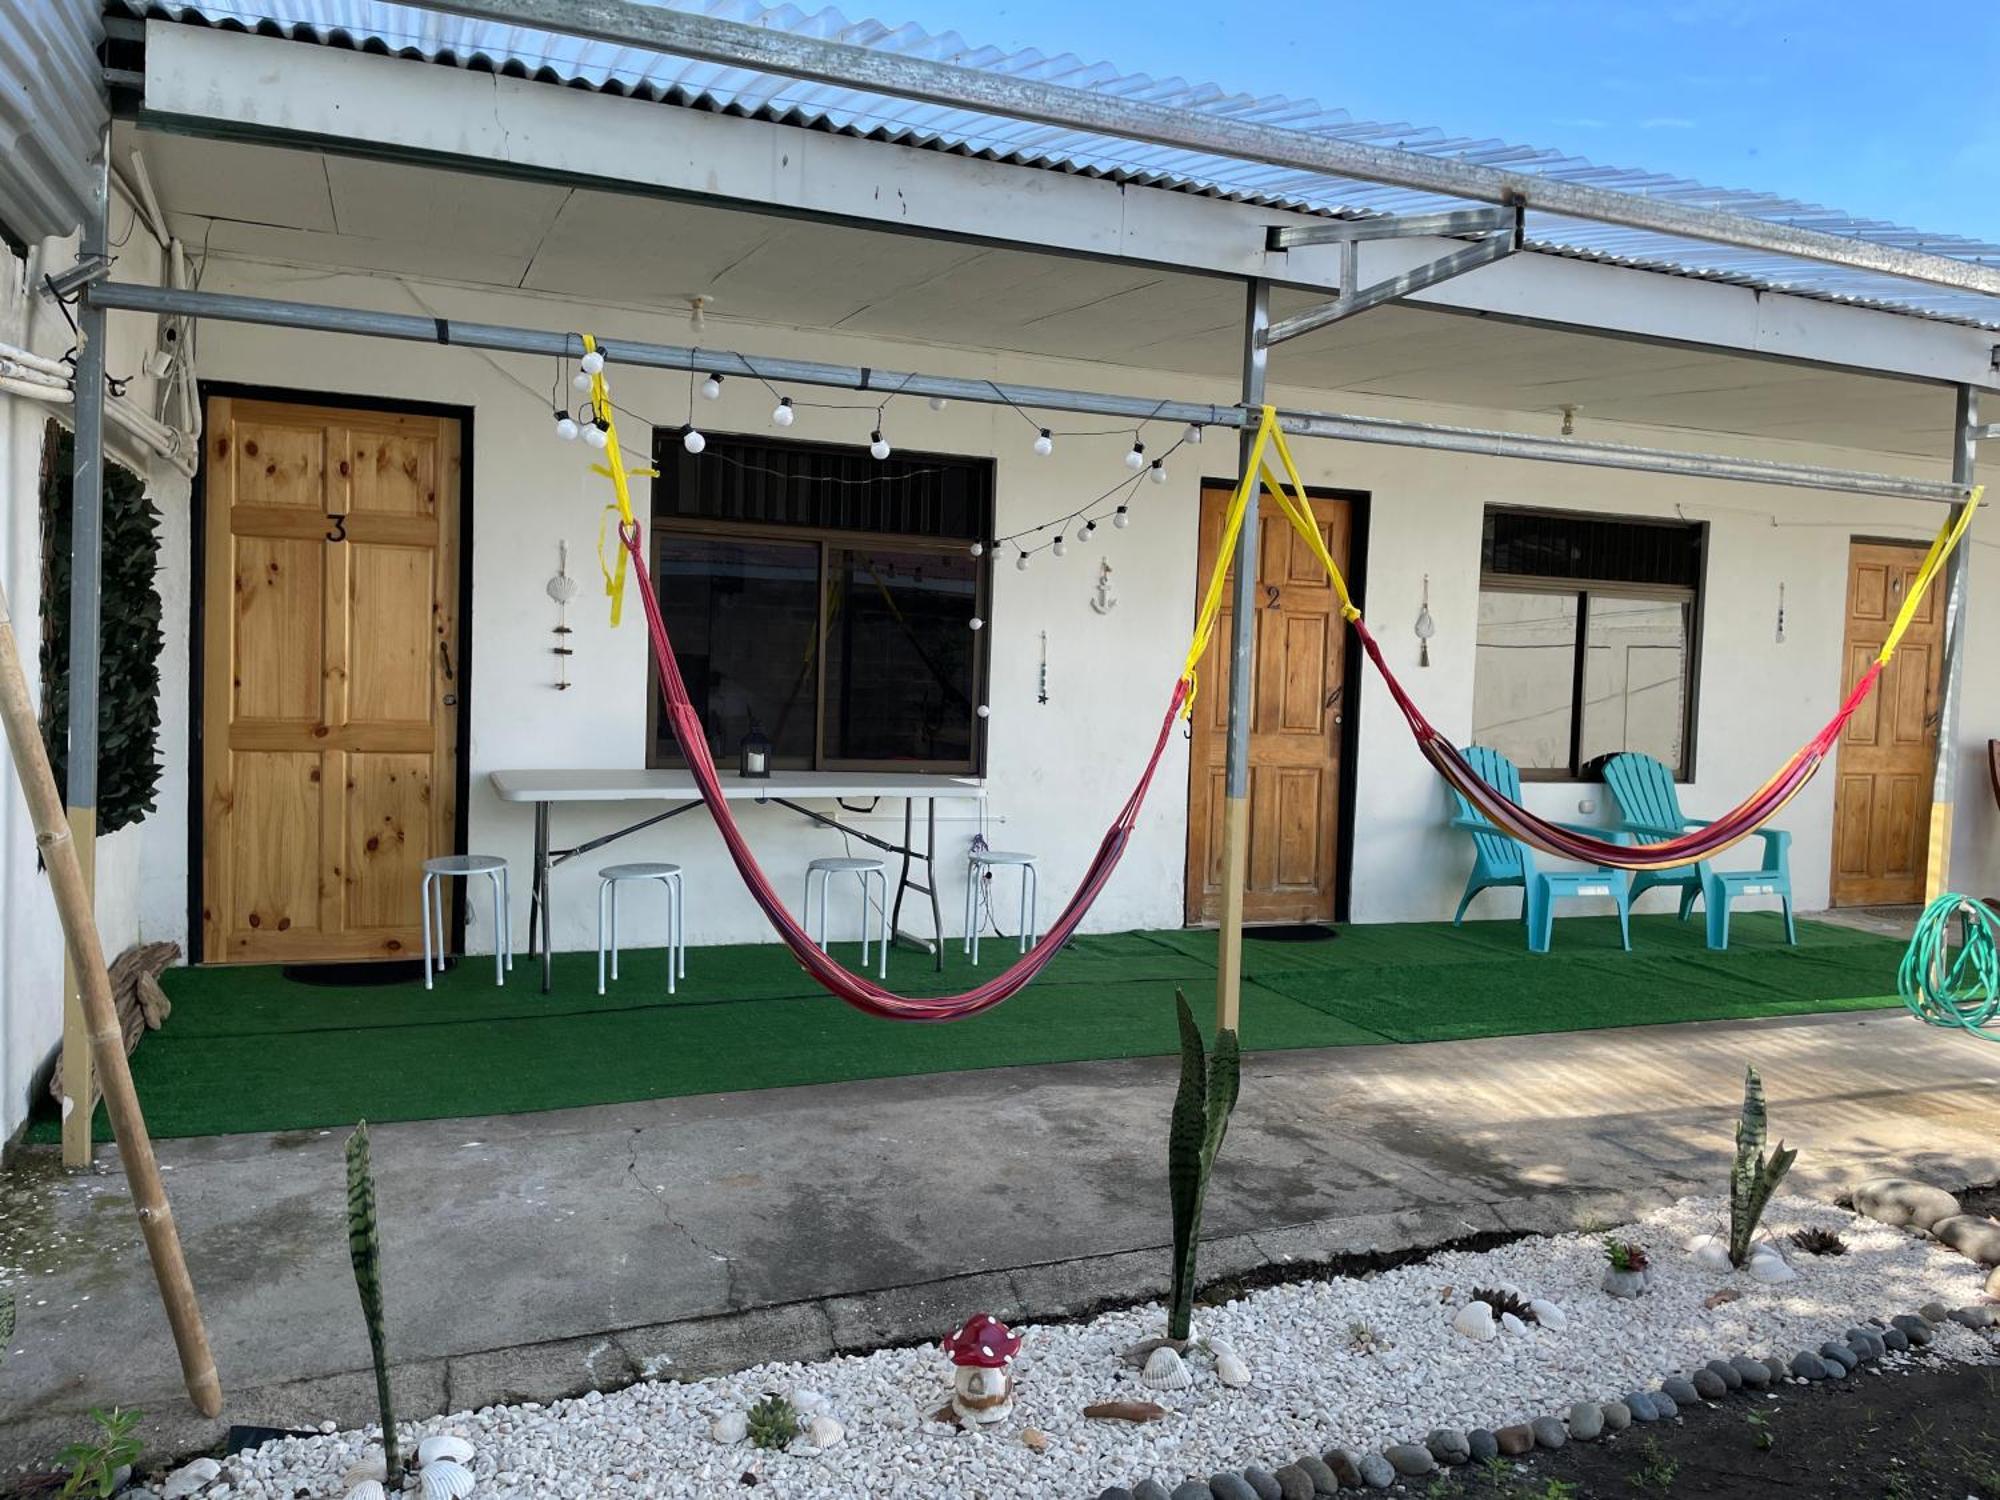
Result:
[
  {"x": 52, "y": 113},
  {"x": 407, "y": 30}
]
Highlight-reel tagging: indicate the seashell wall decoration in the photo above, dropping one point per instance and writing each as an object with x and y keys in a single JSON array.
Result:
[
  {"x": 447, "y": 1479},
  {"x": 1165, "y": 1371}
]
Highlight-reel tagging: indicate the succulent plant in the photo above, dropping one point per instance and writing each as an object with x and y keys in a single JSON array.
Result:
[
  {"x": 1755, "y": 1177},
  {"x": 1819, "y": 1242},
  {"x": 1504, "y": 1302},
  {"x": 1200, "y": 1120},
  {"x": 1625, "y": 1255},
  {"x": 773, "y": 1422},
  {"x": 364, "y": 1248}
]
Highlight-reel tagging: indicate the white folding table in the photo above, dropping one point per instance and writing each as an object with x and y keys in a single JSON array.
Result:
[{"x": 787, "y": 789}]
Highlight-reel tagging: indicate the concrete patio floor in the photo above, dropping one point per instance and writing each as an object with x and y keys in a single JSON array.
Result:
[{"x": 533, "y": 1256}]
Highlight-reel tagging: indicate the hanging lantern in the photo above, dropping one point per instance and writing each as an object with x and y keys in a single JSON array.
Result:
[{"x": 755, "y": 762}]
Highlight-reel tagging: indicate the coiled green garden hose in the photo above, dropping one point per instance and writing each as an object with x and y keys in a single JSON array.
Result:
[{"x": 1959, "y": 989}]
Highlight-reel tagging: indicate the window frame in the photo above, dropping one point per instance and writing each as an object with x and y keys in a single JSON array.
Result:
[
  {"x": 827, "y": 540},
  {"x": 1690, "y": 596}
]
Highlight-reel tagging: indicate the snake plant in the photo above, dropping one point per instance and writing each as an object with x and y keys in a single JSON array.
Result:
[
  {"x": 1754, "y": 1177},
  {"x": 1200, "y": 1120},
  {"x": 364, "y": 1248}
]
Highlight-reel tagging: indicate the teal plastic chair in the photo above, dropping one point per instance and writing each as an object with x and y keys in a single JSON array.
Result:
[
  {"x": 1501, "y": 860},
  {"x": 1649, "y": 810}
]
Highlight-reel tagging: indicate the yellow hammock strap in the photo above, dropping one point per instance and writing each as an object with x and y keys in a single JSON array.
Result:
[
  {"x": 1225, "y": 552},
  {"x": 613, "y": 468},
  {"x": 1948, "y": 537}
]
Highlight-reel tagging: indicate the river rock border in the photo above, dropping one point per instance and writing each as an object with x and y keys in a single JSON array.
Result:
[{"x": 1340, "y": 1469}]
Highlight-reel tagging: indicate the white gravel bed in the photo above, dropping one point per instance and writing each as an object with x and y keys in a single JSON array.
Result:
[{"x": 1311, "y": 1389}]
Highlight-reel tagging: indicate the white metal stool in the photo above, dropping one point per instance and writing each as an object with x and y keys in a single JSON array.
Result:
[
  {"x": 464, "y": 867},
  {"x": 868, "y": 870},
  {"x": 981, "y": 864},
  {"x": 608, "y": 880}
]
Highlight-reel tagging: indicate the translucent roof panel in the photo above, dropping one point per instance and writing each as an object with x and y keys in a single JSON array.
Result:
[{"x": 457, "y": 41}]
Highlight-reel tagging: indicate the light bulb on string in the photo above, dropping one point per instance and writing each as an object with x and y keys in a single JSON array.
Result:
[
  {"x": 975, "y": 623},
  {"x": 579, "y": 381},
  {"x": 1120, "y": 518},
  {"x": 597, "y": 434},
  {"x": 983, "y": 711},
  {"x": 782, "y": 414},
  {"x": 1044, "y": 443},
  {"x": 1060, "y": 546},
  {"x": 1021, "y": 563},
  {"x": 1088, "y": 528},
  {"x": 566, "y": 427},
  {"x": 1158, "y": 473},
  {"x": 1193, "y": 434},
  {"x": 692, "y": 440},
  {"x": 977, "y": 549},
  {"x": 1136, "y": 459},
  {"x": 711, "y": 388},
  {"x": 937, "y": 403},
  {"x": 878, "y": 446},
  {"x": 592, "y": 361}
]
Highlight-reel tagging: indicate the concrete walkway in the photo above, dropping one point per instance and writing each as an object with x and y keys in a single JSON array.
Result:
[{"x": 533, "y": 1256}]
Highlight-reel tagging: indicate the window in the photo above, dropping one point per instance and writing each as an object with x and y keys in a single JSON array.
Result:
[
  {"x": 1588, "y": 628},
  {"x": 824, "y": 598}
]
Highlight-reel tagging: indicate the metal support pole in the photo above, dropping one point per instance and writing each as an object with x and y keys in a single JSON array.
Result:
[
  {"x": 85, "y": 616},
  {"x": 1964, "y": 455},
  {"x": 1242, "y": 680}
]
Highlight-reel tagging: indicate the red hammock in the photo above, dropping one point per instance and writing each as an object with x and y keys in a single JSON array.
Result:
[
  {"x": 857, "y": 991},
  {"x": 1518, "y": 822}
]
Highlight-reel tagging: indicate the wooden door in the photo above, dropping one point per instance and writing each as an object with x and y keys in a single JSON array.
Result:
[
  {"x": 1882, "y": 792},
  {"x": 329, "y": 692},
  {"x": 1295, "y": 737}
]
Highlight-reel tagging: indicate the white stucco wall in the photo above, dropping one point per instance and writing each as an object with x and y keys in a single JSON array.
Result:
[
  {"x": 1056, "y": 772},
  {"x": 30, "y": 939}
]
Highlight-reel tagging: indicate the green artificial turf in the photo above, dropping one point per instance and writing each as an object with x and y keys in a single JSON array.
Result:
[{"x": 246, "y": 1049}]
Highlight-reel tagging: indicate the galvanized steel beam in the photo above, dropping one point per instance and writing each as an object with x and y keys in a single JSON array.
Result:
[
  {"x": 1431, "y": 273},
  {"x": 1485, "y": 442},
  {"x": 1390, "y": 227},
  {"x": 625, "y": 23}
]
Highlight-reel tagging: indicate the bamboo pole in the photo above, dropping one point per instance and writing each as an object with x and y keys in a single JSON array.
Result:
[{"x": 107, "y": 1042}]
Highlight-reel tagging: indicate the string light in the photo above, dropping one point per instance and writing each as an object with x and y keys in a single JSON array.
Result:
[
  {"x": 783, "y": 414},
  {"x": 938, "y": 403},
  {"x": 711, "y": 388},
  {"x": 977, "y": 549},
  {"x": 592, "y": 361},
  {"x": 878, "y": 446},
  {"x": 598, "y": 433},
  {"x": 1060, "y": 546},
  {"x": 692, "y": 440},
  {"x": 1193, "y": 434},
  {"x": 1136, "y": 459},
  {"x": 975, "y": 623},
  {"x": 1044, "y": 444},
  {"x": 1021, "y": 563},
  {"x": 1158, "y": 473},
  {"x": 579, "y": 381},
  {"x": 983, "y": 711},
  {"x": 1120, "y": 518},
  {"x": 566, "y": 427}
]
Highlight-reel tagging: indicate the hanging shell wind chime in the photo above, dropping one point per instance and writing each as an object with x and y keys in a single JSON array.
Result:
[
  {"x": 562, "y": 589},
  {"x": 1426, "y": 626}
]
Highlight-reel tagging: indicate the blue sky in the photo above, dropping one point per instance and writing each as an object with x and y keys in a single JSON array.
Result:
[{"x": 1879, "y": 110}]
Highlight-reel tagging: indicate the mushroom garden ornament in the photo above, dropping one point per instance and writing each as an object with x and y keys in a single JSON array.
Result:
[{"x": 982, "y": 1351}]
